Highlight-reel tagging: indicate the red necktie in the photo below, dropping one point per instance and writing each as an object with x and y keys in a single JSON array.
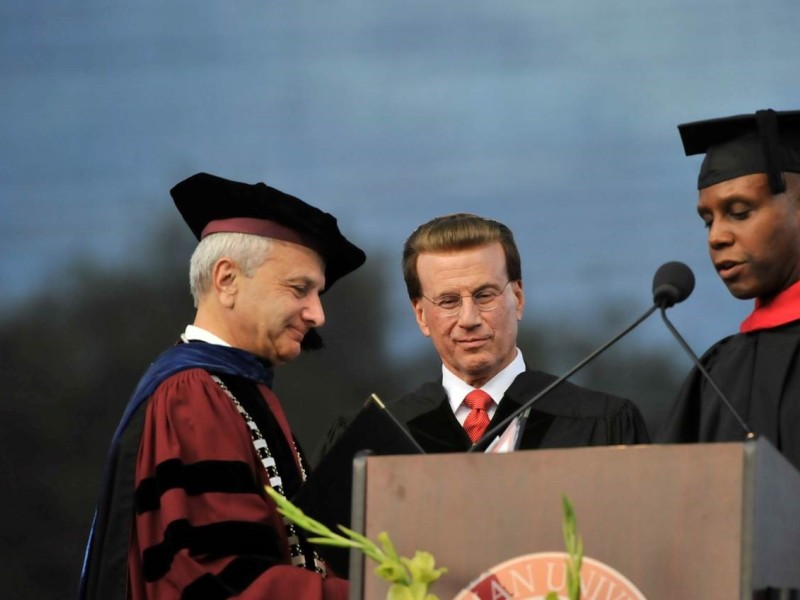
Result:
[{"x": 477, "y": 419}]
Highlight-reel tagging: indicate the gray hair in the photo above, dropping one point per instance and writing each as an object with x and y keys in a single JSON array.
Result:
[{"x": 247, "y": 250}]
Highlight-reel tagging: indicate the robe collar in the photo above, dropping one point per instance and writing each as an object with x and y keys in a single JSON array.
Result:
[{"x": 782, "y": 309}]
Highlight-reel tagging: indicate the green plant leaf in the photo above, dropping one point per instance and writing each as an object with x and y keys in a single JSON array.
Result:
[
  {"x": 393, "y": 571},
  {"x": 410, "y": 578},
  {"x": 574, "y": 545},
  {"x": 399, "y": 592},
  {"x": 388, "y": 546},
  {"x": 322, "y": 541},
  {"x": 423, "y": 567}
]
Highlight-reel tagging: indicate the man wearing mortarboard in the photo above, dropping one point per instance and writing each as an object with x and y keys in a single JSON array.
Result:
[
  {"x": 182, "y": 511},
  {"x": 749, "y": 200}
]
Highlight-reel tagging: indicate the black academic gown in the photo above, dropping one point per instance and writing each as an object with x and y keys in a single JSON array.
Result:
[
  {"x": 759, "y": 373},
  {"x": 568, "y": 416}
]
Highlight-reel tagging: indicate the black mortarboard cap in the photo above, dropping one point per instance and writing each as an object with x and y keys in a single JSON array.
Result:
[
  {"x": 206, "y": 201},
  {"x": 767, "y": 141}
]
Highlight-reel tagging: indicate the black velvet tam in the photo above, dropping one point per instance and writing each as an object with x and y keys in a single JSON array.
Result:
[{"x": 205, "y": 199}]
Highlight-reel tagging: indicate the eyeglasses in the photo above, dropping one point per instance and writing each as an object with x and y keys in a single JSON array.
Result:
[{"x": 485, "y": 299}]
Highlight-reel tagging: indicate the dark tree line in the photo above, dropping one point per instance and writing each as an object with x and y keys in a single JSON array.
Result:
[{"x": 72, "y": 353}]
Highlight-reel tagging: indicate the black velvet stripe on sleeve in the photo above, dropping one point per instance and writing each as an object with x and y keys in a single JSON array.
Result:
[
  {"x": 234, "y": 578},
  {"x": 228, "y": 538},
  {"x": 232, "y": 477},
  {"x": 207, "y": 587}
]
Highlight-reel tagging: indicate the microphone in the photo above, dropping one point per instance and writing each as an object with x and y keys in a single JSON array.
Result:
[
  {"x": 665, "y": 294},
  {"x": 672, "y": 283},
  {"x": 670, "y": 286}
]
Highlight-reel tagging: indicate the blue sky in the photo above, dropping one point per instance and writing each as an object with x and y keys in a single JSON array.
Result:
[{"x": 555, "y": 117}]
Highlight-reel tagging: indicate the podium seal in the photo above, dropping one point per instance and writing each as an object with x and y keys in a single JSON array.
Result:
[{"x": 532, "y": 576}]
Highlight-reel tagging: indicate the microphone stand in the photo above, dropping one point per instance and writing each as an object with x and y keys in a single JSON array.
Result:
[
  {"x": 749, "y": 434},
  {"x": 526, "y": 405}
]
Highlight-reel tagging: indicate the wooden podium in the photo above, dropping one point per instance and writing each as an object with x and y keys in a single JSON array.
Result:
[{"x": 700, "y": 521}]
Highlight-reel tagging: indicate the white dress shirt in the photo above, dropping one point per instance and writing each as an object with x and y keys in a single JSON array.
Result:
[{"x": 457, "y": 389}]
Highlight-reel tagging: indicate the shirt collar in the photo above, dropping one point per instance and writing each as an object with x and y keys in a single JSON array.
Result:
[
  {"x": 783, "y": 308},
  {"x": 496, "y": 387},
  {"x": 198, "y": 334}
]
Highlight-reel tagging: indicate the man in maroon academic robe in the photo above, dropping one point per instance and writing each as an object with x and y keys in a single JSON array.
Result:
[{"x": 183, "y": 512}]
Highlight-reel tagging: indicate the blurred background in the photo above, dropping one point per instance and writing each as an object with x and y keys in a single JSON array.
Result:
[{"x": 557, "y": 117}]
